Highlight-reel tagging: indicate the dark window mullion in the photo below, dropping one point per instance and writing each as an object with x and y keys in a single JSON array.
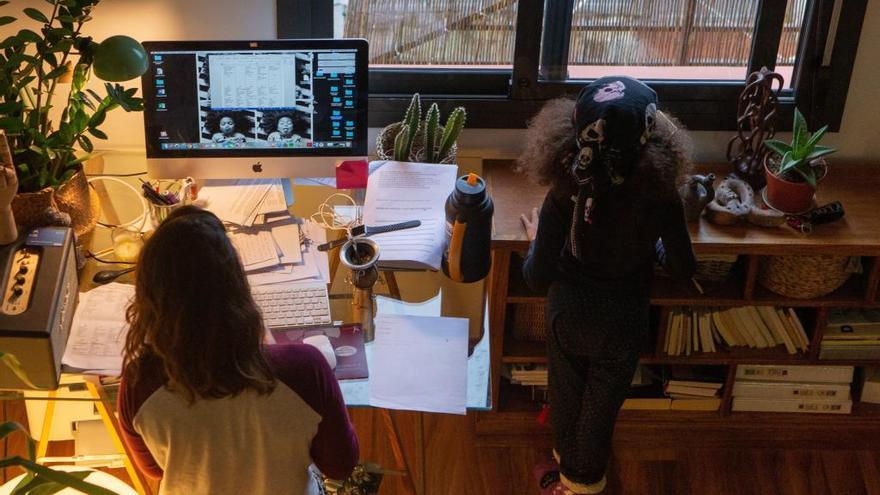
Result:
[
  {"x": 768, "y": 32},
  {"x": 556, "y": 40},
  {"x": 304, "y": 19},
  {"x": 527, "y": 49}
]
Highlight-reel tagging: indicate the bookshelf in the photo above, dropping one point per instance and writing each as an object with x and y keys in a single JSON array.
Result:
[{"x": 858, "y": 234}]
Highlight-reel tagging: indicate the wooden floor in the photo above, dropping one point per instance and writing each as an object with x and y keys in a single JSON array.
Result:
[{"x": 453, "y": 461}]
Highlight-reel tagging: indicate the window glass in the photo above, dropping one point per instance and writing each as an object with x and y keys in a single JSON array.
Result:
[
  {"x": 662, "y": 39},
  {"x": 791, "y": 32},
  {"x": 431, "y": 33}
]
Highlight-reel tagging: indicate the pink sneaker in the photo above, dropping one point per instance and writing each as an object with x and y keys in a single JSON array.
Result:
[{"x": 547, "y": 475}]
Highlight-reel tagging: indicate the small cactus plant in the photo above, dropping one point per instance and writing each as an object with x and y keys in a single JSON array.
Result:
[{"x": 437, "y": 142}]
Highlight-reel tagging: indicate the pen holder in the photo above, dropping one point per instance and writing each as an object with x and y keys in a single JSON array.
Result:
[
  {"x": 166, "y": 188},
  {"x": 158, "y": 213}
]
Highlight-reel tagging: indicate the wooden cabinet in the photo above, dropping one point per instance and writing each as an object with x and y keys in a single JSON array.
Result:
[{"x": 858, "y": 234}]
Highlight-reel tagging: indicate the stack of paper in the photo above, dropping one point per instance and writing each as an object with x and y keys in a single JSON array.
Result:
[
  {"x": 242, "y": 201},
  {"x": 399, "y": 192},
  {"x": 290, "y": 260},
  {"x": 98, "y": 330}
]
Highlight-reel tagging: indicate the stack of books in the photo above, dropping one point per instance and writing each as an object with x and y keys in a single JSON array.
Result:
[
  {"x": 775, "y": 388},
  {"x": 691, "y": 395},
  {"x": 528, "y": 374},
  {"x": 851, "y": 334},
  {"x": 690, "y": 330}
]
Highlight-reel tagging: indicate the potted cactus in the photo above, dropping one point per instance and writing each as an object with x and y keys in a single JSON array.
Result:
[
  {"x": 414, "y": 140},
  {"x": 794, "y": 170}
]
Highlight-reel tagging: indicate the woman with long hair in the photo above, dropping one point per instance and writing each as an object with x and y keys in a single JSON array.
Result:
[{"x": 203, "y": 404}]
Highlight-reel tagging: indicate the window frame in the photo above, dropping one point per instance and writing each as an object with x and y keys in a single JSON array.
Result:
[{"x": 509, "y": 98}]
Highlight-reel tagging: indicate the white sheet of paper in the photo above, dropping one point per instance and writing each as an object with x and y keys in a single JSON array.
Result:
[
  {"x": 313, "y": 267},
  {"x": 256, "y": 249},
  {"x": 274, "y": 201},
  {"x": 97, "y": 333},
  {"x": 235, "y": 200},
  {"x": 286, "y": 235},
  {"x": 397, "y": 192},
  {"x": 390, "y": 306},
  {"x": 420, "y": 364}
]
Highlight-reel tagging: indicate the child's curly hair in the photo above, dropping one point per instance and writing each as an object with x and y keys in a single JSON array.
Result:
[
  {"x": 550, "y": 148},
  {"x": 242, "y": 123},
  {"x": 269, "y": 122}
]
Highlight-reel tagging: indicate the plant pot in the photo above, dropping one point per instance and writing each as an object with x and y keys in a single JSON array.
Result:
[
  {"x": 385, "y": 145},
  {"x": 787, "y": 196},
  {"x": 72, "y": 204}
]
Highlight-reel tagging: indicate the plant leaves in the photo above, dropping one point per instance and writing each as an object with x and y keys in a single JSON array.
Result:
[
  {"x": 799, "y": 130},
  {"x": 777, "y": 146},
  {"x": 29, "y": 36},
  {"x": 819, "y": 151},
  {"x": 64, "y": 478},
  {"x": 11, "y": 124},
  {"x": 97, "y": 133},
  {"x": 814, "y": 139},
  {"x": 36, "y": 15},
  {"x": 56, "y": 72},
  {"x": 6, "y": 20},
  {"x": 86, "y": 143}
]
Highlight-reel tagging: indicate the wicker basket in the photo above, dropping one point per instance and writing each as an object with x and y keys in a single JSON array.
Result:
[
  {"x": 805, "y": 277},
  {"x": 710, "y": 267},
  {"x": 529, "y": 323}
]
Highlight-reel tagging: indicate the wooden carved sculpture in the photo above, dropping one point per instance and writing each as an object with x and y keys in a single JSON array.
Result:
[{"x": 756, "y": 122}]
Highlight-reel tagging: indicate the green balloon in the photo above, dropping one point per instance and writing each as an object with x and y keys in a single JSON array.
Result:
[{"x": 120, "y": 58}]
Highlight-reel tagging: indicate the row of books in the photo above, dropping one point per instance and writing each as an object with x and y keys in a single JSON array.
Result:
[
  {"x": 851, "y": 333},
  {"x": 690, "y": 330},
  {"x": 773, "y": 388}
]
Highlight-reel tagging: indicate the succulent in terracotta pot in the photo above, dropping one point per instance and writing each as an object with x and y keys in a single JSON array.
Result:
[{"x": 794, "y": 170}]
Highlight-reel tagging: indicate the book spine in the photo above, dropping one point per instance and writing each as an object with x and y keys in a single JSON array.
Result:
[
  {"x": 797, "y": 406},
  {"x": 783, "y": 373},
  {"x": 782, "y": 390}
]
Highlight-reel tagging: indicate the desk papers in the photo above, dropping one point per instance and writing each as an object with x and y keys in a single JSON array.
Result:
[
  {"x": 420, "y": 364},
  {"x": 313, "y": 265},
  {"x": 241, "y": 201},
  {"x": 97, "y": 333},
  {"x": 397, "y": 192}
]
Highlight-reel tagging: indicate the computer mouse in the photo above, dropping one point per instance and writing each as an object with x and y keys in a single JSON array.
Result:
[{"x": 322, "y": 343}]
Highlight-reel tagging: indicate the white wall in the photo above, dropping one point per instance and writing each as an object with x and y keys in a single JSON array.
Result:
[{"x": 858, "y": 140}]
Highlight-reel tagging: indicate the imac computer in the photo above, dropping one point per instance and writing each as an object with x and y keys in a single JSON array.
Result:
[{"x": 247, "y": 109}]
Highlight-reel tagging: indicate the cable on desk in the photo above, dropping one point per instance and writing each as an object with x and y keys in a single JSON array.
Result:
[
  {"x": 141, "y": 219},
  {"x": 95, "y": 257},
  {"x": 327, "y": 217}
]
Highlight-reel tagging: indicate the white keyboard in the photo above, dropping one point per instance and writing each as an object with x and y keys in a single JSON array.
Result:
[{"x": 288, "y": 305}]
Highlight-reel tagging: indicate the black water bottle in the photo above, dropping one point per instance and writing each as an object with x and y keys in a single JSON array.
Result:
[{"x": 469, "y": 209}]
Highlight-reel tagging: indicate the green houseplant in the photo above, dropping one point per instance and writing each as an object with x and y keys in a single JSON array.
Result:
[
  {"x": 50, "y": 124},
  {"x": 415, "y": 140},
  {"x": 793, "y": 170}
]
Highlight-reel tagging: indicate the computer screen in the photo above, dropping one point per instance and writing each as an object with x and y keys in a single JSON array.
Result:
[{"x": 279, "y": 108}]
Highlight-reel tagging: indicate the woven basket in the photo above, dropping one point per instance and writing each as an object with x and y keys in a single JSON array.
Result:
[
  {"x": 710, "y": 268},
  {"x": 529, "y": 323},
  {"x": 804, "y": 277}
]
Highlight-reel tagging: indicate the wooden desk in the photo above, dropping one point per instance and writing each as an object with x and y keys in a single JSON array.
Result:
[{"x": 858, "y": 234}]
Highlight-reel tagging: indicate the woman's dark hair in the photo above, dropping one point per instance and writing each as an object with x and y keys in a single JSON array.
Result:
[
  {"x": 242, "y": 123},
  {"x": 550, "y": 147},
  {"x": 193, "y": 313},
  {"x": 269, "y": 122}
]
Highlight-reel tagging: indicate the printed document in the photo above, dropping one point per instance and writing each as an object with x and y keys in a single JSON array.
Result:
[
  {"x": 98, "y": 330},
  {"x": 398, "y": 192},
  {"x": 420, "y": 364}
]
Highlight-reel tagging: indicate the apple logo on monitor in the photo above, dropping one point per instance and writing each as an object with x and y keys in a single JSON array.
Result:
[{"x": 258, "y": 167}]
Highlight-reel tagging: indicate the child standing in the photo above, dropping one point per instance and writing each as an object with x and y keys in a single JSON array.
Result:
[{"x": 613, "y": 208}]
